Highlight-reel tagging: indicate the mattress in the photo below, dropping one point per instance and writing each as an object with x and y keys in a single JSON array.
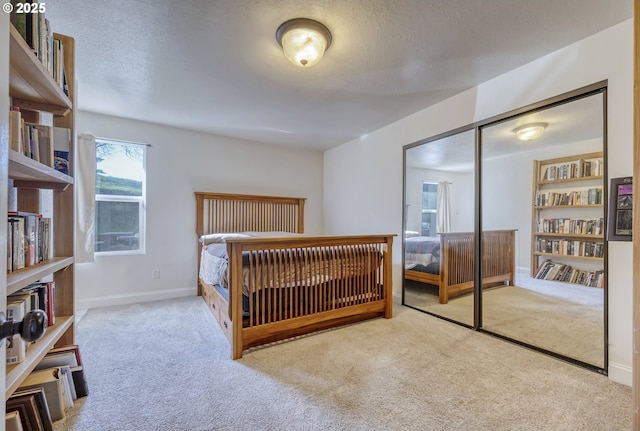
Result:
[
  {"x": 422, "y": 252},
  {"x": 297, "y": 267}
]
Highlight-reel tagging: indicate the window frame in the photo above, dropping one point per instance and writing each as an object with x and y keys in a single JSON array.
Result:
[
  {"x": 141, "y": 200},
  {"x": 433, "y": 210}
]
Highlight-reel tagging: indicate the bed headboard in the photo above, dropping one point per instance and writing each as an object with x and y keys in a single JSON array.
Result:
[{"x": 224, "y": 212}]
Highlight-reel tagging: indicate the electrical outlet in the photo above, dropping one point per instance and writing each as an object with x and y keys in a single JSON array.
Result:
[{"x": 155, "y": 273}]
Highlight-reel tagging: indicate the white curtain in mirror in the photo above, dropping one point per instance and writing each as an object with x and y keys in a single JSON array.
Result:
[{"x": 443, "y": 211}]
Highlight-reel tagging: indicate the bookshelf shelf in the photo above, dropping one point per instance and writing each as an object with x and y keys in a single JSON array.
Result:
[
  {"x": 568, "y": 256},
  {"x": 24, "y": 170},
  {"x": 30, "y": 82},
  {"x": 36, "y": 351},
  {"x": 24, "y": 277},
  {"x": 572, "y": 180},
  {"x": 570, "y": 235},
  {"x": 32, "y": 89},
  {"x": 568, "y": 196},
  {"x": 542, "y": 207}
]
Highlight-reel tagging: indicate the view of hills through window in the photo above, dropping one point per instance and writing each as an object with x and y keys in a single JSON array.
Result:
[{"x": 120, "y": 196}]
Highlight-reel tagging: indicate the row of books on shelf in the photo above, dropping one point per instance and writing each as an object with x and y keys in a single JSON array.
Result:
[
  {"x": 578, "y": 169},
  {"x": 567, "y": 247},
  {"x": 45, "y": 144},
  {"x": 36, "y": 296},
  {"x": 591, "y": 196},
  {"x": 571, "y": 226},
  {"x": 28, "y": 240},
  {"x": 30, "y": 21},
  {"x": 48, "y": 392},
  {"x": 556, "y": 271}
]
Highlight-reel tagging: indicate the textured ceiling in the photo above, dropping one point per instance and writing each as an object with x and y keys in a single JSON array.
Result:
[{"x": 215, "y": 66}]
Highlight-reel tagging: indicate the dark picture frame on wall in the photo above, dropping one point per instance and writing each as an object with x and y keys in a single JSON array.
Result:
[{"x": 621, "y": 209}]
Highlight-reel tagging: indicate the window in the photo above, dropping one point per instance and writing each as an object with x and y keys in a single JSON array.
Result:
[
  {"x": 120, "y": 197},
  {"x": 429, "y": 206}
]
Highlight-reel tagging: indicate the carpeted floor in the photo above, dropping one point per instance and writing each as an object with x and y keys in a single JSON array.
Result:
[
  {"x": 165, "y": 366},
  {"x": 572, "y": 325}
]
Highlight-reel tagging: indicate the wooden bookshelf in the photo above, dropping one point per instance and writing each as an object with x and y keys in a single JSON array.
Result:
[
  {"x": 567, "y": 223},
  {"x": 32, "y": 88},
  {"x": 30, "y": 83},
  {"x": 16, "y": 373}
]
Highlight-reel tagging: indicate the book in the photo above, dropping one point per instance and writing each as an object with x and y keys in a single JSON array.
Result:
[
  {"x": 34, "y": 148},
  {"x": 69, "y": 356},
  {"x": 15, "y": 129},
  {"x": 20, "y": 20},
  {"x": 45, "y": 144},
  {"x": 37, "y": 396},
  {"x": 26, "y": 409},
  {"x": 43, "y": 298},
  {"x": 51, "y": 306},
  {"x": 61, "y": 161},
  {"x": 12, "y": 421},
  {"x": 9, "y": 246},
  {"x": 31, "y": 238},
  {"x": 66, "y": 349},
  {"x": 16, "y": 346},
  {"x": 51, "y": 380},
  {"x": 69, "y": 388},
  {"x": 44, "y": 238},
  {"x": 26, "y": 235},
  {"x": 18, "y": 242}
]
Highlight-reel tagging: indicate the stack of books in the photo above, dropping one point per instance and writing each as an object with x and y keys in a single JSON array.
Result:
[{"x": 47, "y": 394}]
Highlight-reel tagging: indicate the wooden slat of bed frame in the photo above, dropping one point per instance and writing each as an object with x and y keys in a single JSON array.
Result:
[
  {"x": 335, "y": 277},
  {"x": 222, "y": 212},
  {"x": 457, "y": 262}
]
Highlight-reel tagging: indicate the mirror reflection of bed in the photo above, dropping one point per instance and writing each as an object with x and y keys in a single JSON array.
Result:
[{"x": 439, "y": 218}]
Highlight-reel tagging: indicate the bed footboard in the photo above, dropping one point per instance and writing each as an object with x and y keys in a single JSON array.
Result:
[
  {"x": 300, "y": 285},
  {"x": 457, "y": 267},
  {"x": 457, "y": 251}
]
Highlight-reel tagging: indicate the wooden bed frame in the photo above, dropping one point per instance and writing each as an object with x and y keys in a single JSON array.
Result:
[
  {"x": 294, "y": 308},
  {"x": 456, "y": 263}
]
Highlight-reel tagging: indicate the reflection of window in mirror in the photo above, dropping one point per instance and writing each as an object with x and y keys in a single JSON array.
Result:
[{"x": 429, "y": 208}]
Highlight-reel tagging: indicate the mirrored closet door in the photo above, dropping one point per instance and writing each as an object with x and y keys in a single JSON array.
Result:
[
  {"x": 439, "y": 226},
  {"x": 547, "y": 185},
  {"x": 537, "y": 191}
]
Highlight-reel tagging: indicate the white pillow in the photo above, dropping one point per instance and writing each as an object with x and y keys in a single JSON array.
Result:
[
  {"x": 271, "y": 234},
  {"x": 411, "y": 234},
  {"x": 220, "y": 237}
]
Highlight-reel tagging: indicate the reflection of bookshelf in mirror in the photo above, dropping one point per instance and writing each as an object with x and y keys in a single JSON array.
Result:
[{"x": 567, "y": 231}]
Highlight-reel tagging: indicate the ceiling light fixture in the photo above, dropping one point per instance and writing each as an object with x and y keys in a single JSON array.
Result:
[
  {"x": 303, "y": 41},
  {"x": 529, "y": 132}
]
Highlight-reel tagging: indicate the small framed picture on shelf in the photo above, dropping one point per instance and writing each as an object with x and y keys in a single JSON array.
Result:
[{"x": 621, "y": 209}]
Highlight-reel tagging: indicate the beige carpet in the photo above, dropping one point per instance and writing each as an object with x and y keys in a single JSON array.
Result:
[
  {"x": 164, "y": 366},
  {"x": 570, "y": 328}
]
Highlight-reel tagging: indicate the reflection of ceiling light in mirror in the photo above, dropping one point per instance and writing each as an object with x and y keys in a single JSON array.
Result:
[{"x": 529, "y": 132}]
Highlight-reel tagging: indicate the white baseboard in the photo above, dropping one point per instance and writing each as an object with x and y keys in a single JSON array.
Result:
[
  {"x": 620, "y": 374},
  {"x": 133, "y": 298}
]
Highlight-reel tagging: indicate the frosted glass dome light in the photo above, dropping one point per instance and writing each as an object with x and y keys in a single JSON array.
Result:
[
  {"x": 529, "y": 132},
  {"x": 303, "y": 41}
]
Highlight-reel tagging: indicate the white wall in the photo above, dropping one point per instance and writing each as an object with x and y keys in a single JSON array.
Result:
[
  {"x": 179, "y": 163},
  {"x": 461, "y": 191},
  {"x": 364, "y": 177}
]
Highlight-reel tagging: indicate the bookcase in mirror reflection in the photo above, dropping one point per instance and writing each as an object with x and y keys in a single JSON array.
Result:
[
  {"x": 568, "y": 226},
  {"x": 38, "y": 94}
]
